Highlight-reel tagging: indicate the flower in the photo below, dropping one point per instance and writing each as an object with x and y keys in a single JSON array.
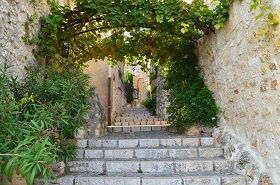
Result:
[
  {"x": 192, "y": 103},
  {"x": 214, "y": 118},
  {"x": 213, "y": 96}
]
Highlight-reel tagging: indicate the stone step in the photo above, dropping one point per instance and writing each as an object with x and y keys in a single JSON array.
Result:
[
  {"x": 137, "y": 140},
  {"x": 153, "y": 179},
  {"x": 137, "y": 118},
  {"x": 138, "y": 128},
  {"x": 153, "y": 166},
  {"x": 140, "y": 122},
  {"x": 149, "y": 153}
]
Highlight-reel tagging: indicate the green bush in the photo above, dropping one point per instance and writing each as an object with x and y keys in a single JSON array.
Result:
[
  {"x": 151, "y": 105},
  {"x": 36, "y": 118},
  {"x": 191, "y": 102},
  {"x": 128, "y": 86}
]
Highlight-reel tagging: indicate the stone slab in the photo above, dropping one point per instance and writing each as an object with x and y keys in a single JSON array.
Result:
[
  {"x": 128, "y": 143},
  {"x": 190, "y": 142},
  {"x": 122, "y": 181},
  {"x": 161, "y": 181},
  {"x": 202, "y": 180},
  {"x": 146, "y": 128},
  {"x": 86, "y": 166},
  {"x": 151, "y": 153},
  {"x": 118, "y": 153},
  {"x": 157, "y": 166},
  {"x": 223, "y": 165},
  {"x": 210, "y": 152},
  {"x": 94, "y": 154},
  {"x": 110, "y": 143},
  {"x": 172, "y": 142},
  {"x": 233, "y": 179},
  {"x": 193, "y": 166},
  {"x": 122, "y": 166},
  {"x": 94, "y": 143},
  {"x": 149, "y": 142},
  {"x": 181, "y": 153},
  {"x": 82, "y": 143},
  {"x": 207, "y": 141}
]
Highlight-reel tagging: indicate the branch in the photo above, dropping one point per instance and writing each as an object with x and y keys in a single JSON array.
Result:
[{"x": 82, "y": 20}]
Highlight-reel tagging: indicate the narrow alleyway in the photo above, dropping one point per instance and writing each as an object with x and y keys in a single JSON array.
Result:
[{"x": 135, "y": 119}]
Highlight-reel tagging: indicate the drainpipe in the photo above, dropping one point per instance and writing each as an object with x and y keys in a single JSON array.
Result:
[{"x": 109, "y": 96}]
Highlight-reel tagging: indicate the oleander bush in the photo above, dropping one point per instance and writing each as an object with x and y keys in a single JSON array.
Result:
[{"x": 37, "y": 116}]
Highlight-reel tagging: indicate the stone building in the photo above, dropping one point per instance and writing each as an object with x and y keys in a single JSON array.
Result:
[{"x": 109, "y": 85}]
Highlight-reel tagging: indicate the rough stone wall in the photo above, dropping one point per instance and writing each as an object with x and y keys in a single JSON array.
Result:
[
  {"x": 162, "y": 102},
  {"x": 242, "y": 69},
  {"x": 14, "y": 15},
  {"x": 140, "y": 81},
  {"x": 117, "y": 90},
  {"x": 20, "y": 19},
  {"x": 96, "y": 119}
]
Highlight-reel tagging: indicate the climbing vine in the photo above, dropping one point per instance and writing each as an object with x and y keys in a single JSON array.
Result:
[
  {"x": 163, "y": 32},
  {"x": 130, "y": 29},
  {"x": 267, "y": 15}
]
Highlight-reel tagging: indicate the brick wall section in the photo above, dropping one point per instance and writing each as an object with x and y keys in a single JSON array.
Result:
[{"x": 243, "y": 71}]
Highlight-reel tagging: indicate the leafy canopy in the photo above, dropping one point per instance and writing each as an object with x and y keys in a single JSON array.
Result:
[{"x": 127, "y": 29}]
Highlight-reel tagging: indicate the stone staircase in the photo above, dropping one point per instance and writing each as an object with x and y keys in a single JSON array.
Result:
[
  {"x": 135, "y": 119},
  {"x": 152, "y": 156}
]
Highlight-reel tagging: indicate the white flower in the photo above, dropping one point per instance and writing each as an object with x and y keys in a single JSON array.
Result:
[
  {"x": 213, "y": 96},
  {"x": 192, "y": 103},
  {"x": 214, "y": 118}
]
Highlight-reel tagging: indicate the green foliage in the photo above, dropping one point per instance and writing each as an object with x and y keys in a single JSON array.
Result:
[
  {"x": 137, "y": 30},
  {"x": 150, "y": 104},
  {"x": 128, "y": 86},
  {"x": 157, "y": 29},
  {"x": 191, "y": 102},
  {"x": 265, "y": 14},
  {"x": 36, "y": 118}
]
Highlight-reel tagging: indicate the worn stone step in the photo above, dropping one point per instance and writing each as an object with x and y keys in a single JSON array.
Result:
[
  {"x": 133, "y": 141},
  {"x": 149, "y": 153},
  {"x": 153, "y": 179},
  {"x": 138, "y": 128},
  {"x": 137, "y": 118},
  {"x": 136, "y": 121},
  {"x": 152, "y": 166}
]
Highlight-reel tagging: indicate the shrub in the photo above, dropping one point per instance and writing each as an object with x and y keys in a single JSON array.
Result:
[
  {"x": 36, "y": 118},
  {"x": 191, "y": 102},
  {"x": 151, "y": 105},
  {"x": 128, "y": 86}
]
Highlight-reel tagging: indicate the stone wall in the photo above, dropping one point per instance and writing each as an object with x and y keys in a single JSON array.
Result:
[
  {"x": 14, "y": 16},
  {"x": 96, "y": 122},
  {"x": 118, "y": 96},
  {"x": 140, "y": 82},
  {"x": 242, "y": 69},
  {"x": 20, "y": 19},
  {"x": 99, "y": 72},
  {"x": 162, "y": 102}
]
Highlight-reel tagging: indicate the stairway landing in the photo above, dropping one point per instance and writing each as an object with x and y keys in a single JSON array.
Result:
[{"x": 135, "y": 119}]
